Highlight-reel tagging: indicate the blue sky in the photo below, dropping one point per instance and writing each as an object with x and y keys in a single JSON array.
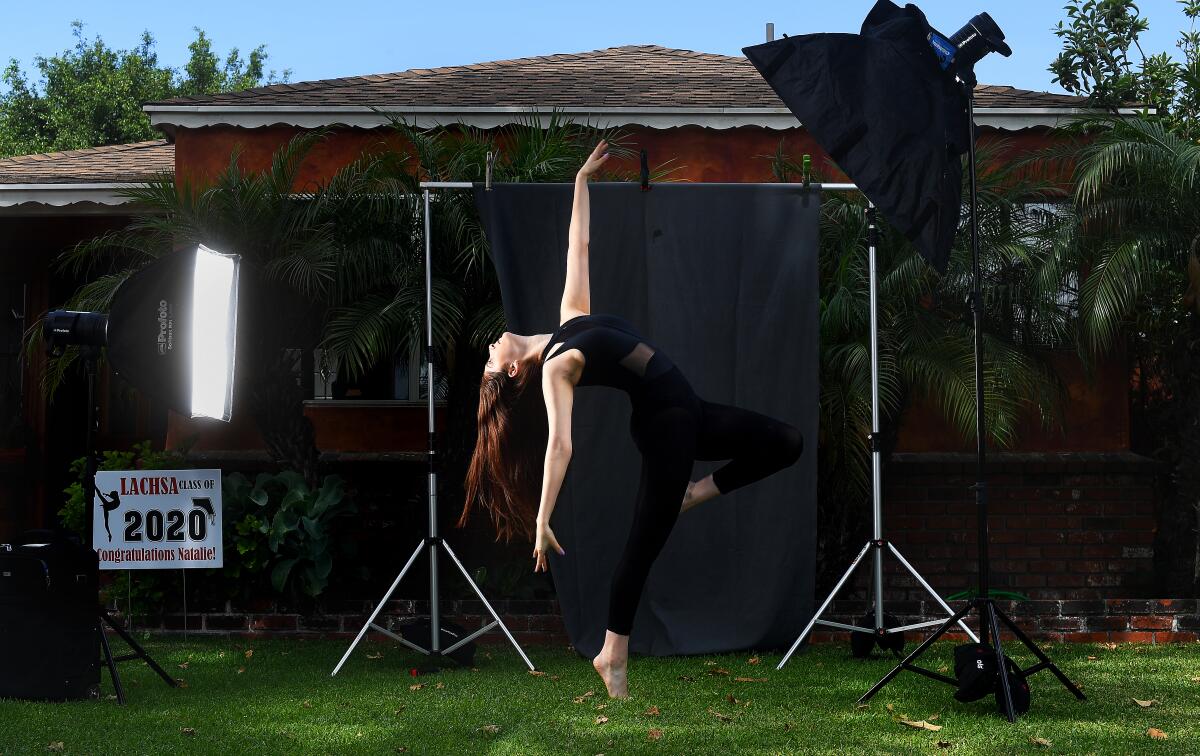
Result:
[{"x": 330, "y": 39}]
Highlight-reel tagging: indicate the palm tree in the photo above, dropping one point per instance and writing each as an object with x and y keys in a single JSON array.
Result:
[
  {"x": 926, "y": 348},
  {"x": 302, "y": 254},
  {"x": 1134, "y": 244}
]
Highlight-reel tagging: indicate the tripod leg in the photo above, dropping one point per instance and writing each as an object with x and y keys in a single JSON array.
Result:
[
  {"x": 112, "y": 665},
  {"x": 378, "y": 608},
  {"x": 138, "y": 650},
  {"x": 824, "y": 605},
  {"x": 946, "y": 607},
  {"x": 1005, "y": 684},
  {"x": 1045, "y": 660},
  {"x": 491, "y": 611},
  {"x": 916, "y": 652}
]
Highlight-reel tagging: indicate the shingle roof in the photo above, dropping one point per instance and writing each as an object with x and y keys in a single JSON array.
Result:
[
  {"x": 114, "y": 164},
  {"x": 633, "y": 76}
]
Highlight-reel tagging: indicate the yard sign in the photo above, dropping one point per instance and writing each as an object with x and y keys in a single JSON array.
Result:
[{"x": 155, "y": 519}]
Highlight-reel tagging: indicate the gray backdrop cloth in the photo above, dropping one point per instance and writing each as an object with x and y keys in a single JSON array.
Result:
[{"x": 723, "y": 278}]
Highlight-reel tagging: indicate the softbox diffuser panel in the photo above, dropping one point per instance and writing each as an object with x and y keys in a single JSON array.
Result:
[
  {"x": 723, "y": 278},
  {"x": 882, "y": 108}
]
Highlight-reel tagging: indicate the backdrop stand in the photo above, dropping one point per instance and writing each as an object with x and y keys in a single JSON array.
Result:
[
  {"x": 433, "y": 541},
  {"x": 990, "y": 615},
  {"x": 878, "y": 543}
]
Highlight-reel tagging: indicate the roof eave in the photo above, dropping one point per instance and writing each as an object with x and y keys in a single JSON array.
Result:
[
  {"x": 487, "y": 117},
  {"x": 104, "y": 198}
]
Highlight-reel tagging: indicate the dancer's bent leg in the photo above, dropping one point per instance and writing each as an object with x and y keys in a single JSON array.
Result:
[{"x": 755, "y": 444}]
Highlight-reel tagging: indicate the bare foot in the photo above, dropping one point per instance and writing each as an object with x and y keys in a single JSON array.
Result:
[{"x": 615, "y": 679}]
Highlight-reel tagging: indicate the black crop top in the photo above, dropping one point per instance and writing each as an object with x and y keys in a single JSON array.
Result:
[{"x": 614, "y": 353}]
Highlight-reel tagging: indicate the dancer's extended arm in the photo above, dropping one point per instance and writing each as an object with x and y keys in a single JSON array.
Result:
[
  {"x": 559, "y": 392},
  {"x": 577, "y": 298}
]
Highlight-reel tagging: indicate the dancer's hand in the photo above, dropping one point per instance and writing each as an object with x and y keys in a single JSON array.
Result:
[
  {"x": 595, "y": 160},
  {"x": 545, "y": 541}
]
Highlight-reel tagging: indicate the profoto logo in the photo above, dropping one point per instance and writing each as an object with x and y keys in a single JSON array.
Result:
[{"x": 165, "y": 336}]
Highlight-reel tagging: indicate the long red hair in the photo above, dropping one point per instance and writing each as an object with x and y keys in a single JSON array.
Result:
[{"x": 505, "y": 475}]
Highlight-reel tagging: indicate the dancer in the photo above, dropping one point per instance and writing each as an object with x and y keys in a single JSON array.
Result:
[
  {"x": 109, "y": 503},
  {"x": 524, "y": 442}
]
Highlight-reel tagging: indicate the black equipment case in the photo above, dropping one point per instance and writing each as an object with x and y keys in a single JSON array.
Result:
[{"x": 49, "y": 642}]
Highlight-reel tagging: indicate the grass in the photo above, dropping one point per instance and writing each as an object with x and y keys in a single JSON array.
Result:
[{"x": 282, "y": 700}]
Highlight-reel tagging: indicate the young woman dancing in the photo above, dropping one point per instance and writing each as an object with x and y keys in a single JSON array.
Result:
[{"x": 524, "y": 442}]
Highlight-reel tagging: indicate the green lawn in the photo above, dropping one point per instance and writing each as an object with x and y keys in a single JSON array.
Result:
[{"x": 281, "y": 699}]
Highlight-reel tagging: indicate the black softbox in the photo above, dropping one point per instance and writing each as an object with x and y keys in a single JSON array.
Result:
[{"x": 881, "y": 106}]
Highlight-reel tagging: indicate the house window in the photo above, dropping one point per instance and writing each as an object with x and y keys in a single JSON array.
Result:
[{"x": 402, "y": 378}]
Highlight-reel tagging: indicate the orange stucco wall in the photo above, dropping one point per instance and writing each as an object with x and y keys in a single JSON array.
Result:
[{"x": 1096, "y": 412}]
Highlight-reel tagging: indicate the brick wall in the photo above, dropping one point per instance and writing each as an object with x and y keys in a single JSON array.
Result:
[
  {"x": 1082, "y": 621},
  {"x": 540, "y": 622},
  {"x": 1062, "y": 526}
]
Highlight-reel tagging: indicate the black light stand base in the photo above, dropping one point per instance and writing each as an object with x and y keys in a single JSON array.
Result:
[
  {"x": 138, "y": 653},
  {"x": 990, "y": 619}
]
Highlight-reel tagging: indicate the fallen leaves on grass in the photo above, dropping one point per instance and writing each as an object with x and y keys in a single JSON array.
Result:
[
  {"x": 416, "y": 686},
  {"x": 188, "y": 730},
  {"x": 1109, "y": 646},
  {"x": 601, "y": 719},
  {"x": 439, "y": 686},
  {"x": 933, "y": 717},
  {"x": 653, "y": 711},
  {"x": 183, "y": 666},
  {"x": 1156, "y": 733},
  {"x": 307, "y": 704},
  {"x": 376, "y": 655},
  {"x": 537, "y": 673},
  {"x": 719, "y": 715},
  {"x": 181, "y": 682},
  {"x": 249, "y": 653},
  {"x": 752, "y": 660},
  {"x": 718, "y": 671},
  {"x": 921, "y": 724},
  {"x": 55, "y": 745},
  {"x": 601, "y": 706},
  {"x": 944, "y": 744},
  {"x": 891, "y": 707},
  {"x": 749, "y": 679},
  {"x": 584, "y": 697},
  {"x": 654, "y": 734},
  {"x": 1144, "y": 704},
  {"x": 241, "y": 670},
  {"x": 1040, "y": 742},
  {"x": 490, "y": 729},
  {"x": 686, "y": 678}
]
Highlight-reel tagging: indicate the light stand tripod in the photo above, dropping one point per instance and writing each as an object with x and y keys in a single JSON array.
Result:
[
  {"x": 90, "y": 355},
  {"x": 877, "y": 542},
  {"x": 433, "y": 541},
  {"x": 990, "y": 616}
]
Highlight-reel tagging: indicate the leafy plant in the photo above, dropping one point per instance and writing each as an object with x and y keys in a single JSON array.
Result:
[
  {"x": 1095, "y": 60},
  {"x": 286, "y": 529}
]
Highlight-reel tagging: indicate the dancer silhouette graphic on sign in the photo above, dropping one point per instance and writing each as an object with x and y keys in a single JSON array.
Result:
[{"x": 111, "y": 502}]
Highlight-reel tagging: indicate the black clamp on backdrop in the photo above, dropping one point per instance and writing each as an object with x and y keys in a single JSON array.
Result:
[{"x": 645, "y": 172}]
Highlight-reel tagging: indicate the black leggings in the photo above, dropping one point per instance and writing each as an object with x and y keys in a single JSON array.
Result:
[{"x": 672, "y": 427}]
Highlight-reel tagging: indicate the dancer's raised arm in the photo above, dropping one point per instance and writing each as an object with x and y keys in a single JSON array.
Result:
[{"x": 577, "y": 298}]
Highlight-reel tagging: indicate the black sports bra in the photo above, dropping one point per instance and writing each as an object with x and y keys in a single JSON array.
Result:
[{"x": 614, "y": 353}]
